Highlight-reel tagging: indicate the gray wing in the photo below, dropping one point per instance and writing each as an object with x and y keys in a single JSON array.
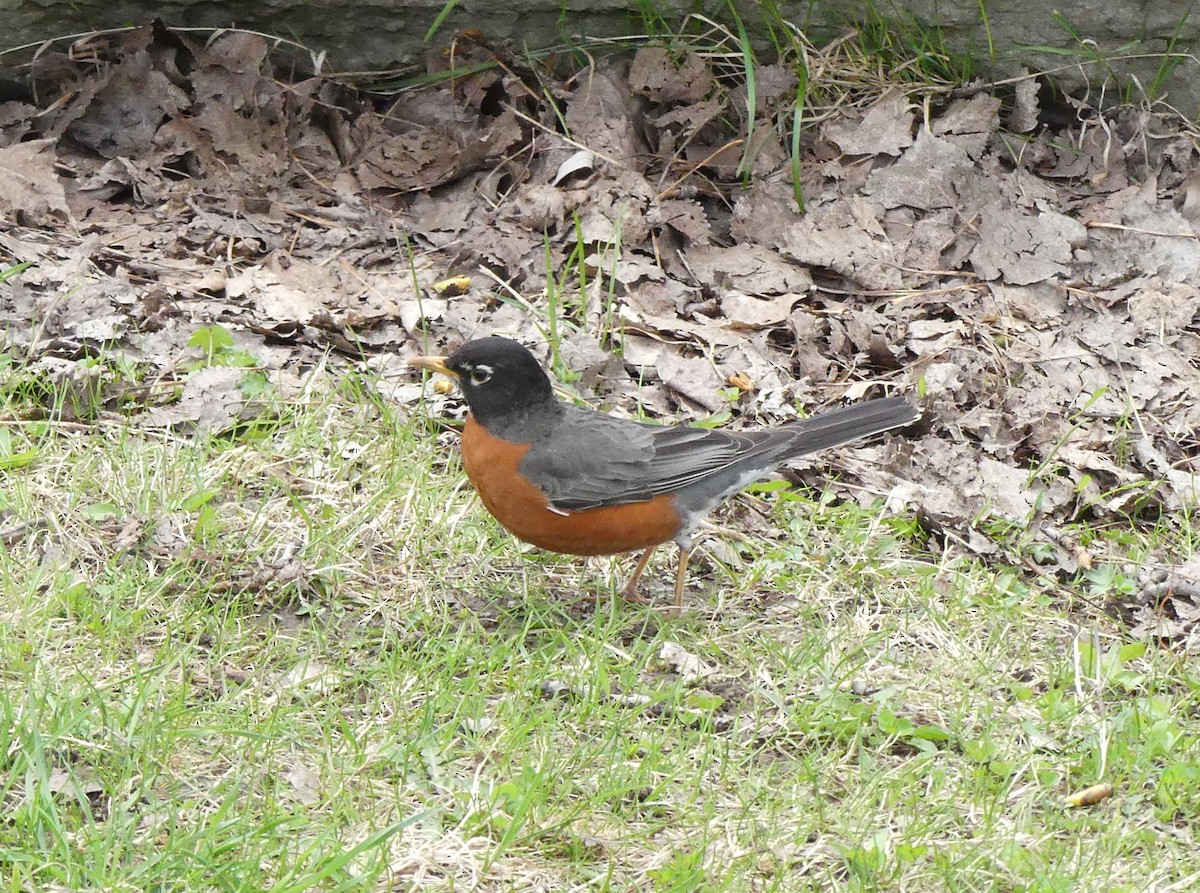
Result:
[
  {"x": 596, "y": 460},
  {"x": 590, "y": 459}
]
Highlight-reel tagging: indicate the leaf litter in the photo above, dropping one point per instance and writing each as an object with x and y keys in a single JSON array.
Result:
[{"x": 1039, "y": 286}]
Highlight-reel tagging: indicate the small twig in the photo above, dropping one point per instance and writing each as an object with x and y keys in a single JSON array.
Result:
[
  {"x": 18, "y": 532},
  {"x": 1144, "y": 232}
]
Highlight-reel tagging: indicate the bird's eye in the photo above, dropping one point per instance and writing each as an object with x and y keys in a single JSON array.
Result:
[{"x": 481, "y": 375}]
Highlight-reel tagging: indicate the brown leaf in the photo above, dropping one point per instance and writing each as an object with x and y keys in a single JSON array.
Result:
[
  {"x": 847, "y": 238},
  {"x": 884, "y": 129},
  {"x": 685, "y": 217},
  {"x": 926, "y": 177},
  {"x": 291, "y": 294},
  {"x": 756, "y": 313},
  {"x": 129, "y": 108},
  {"x": 211, "y": 400},
  {"x": 1023, "y": 248},
  {"x": 421, "y": 158},
  {"x": 305, "y": 783},
  {"x": 1024, "y": 115},
  {"x": 687, "y": 666},
  {"x": 667, "y": 76},
  {"x": 602, "y": 116},
  {"x": 754, "y": 269},
  {"x": 969, "y": 123},
  {"x": 692, "y": 378},
  {"x": 28, "y": 183}
]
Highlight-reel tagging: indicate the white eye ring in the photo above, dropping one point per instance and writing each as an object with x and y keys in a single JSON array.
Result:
[{"x": 481, "y": 375}]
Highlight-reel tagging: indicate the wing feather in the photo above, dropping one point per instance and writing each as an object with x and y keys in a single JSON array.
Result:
[
  {"x": 596, "y": 460},
  {"x": 589, "y": 459}
]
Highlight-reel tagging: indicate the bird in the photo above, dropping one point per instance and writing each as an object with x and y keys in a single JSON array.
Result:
[{"x": 581, "y": 482}]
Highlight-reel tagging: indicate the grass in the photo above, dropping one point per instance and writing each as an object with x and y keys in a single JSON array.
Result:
[{"x": 311, "y": 662}]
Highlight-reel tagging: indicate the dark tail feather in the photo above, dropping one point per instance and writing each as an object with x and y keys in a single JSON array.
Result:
[{"x": 839, "y": 426}]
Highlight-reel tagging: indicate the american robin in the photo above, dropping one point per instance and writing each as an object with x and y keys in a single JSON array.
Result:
[{"x": 581, "y": 482}]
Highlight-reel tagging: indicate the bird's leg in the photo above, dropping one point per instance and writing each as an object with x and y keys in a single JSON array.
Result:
[
  {"x": 685, "y": 552},
  {"x": 629, "y": 593}
]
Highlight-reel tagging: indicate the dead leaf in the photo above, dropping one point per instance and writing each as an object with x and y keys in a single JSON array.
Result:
[
  {"x": 741, "y": 381},
  {"x": 1023, "y": 248},
  {"x": 884, "y": 129},
  {"x": 685, "y": 217},
  {"x": 847, "y": 238},
  {"x": 693, "y": 379},
  {"x": 211, "y": 400},
  {"x": 756, "y": 313},
  {"x": 753, "y": 269},
  {"x": 932, "y": 174},
  {"x": 305, "y": 783},
  {"x": 686, "y": 665},
  {"x": 291, "y": 295},
  {"x": 668, "y": 76},
  {"x": 582, "y": 160},
  {"x": 28, "y": 184},
  {"x": 601, "y": 116},
  {"x": 969, "y": 123},
  {"x": 72, "y": 781},
  {"x": 1025, "y": 110}
]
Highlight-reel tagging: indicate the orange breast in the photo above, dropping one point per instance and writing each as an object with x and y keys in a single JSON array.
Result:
[{"x": 493, "y": 466}]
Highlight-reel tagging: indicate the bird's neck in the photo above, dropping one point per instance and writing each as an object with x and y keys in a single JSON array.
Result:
[{"x": 521, "y": 423}]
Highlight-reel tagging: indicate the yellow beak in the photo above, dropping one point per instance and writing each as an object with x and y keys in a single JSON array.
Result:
[{"x": 433, "y": 364}]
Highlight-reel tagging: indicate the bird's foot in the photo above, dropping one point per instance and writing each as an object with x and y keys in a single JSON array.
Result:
[{"x": 631, "y": 595}]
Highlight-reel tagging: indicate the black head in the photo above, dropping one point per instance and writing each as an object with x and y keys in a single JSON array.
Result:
[{"x": 499, "y": 378}]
